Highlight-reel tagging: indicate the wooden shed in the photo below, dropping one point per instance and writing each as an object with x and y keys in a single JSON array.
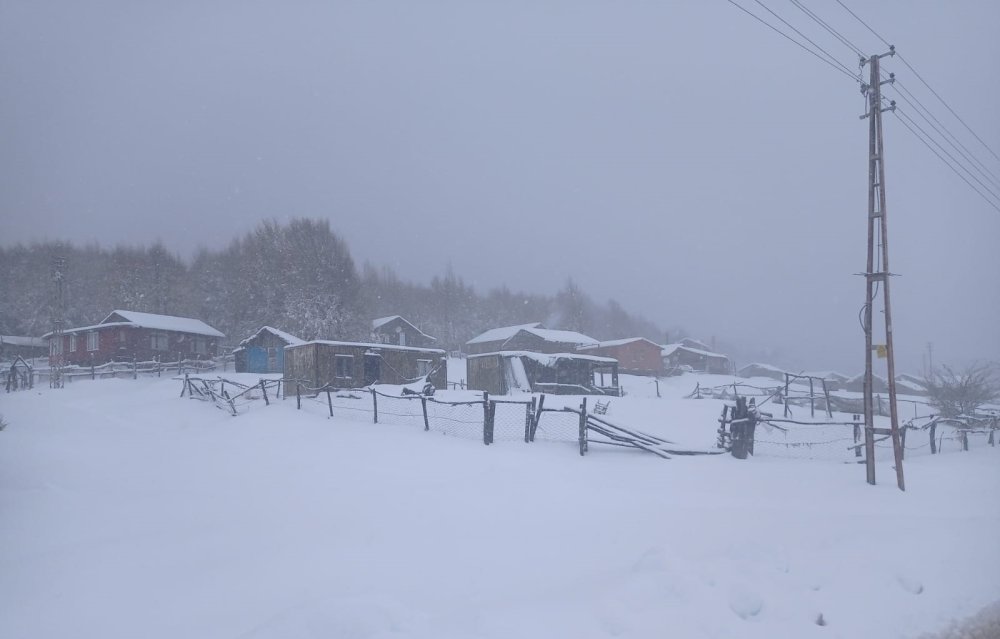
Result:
[
  {"x": 13, "y": 346},
  {"x": 677, "y": 357},
  {"x": 763, "y": 370},
  {"x": 264, "y": 351},
  {"x": 395, "y": 329},
  {"x": 527, "y": 337},
  {"x": 322, "y": 363},
  {"x": 635, "y": 355},
  {"x": 509, "y": 372}
]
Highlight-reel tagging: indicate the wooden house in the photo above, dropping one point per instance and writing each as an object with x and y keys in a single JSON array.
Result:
[
  {"x": 397, "y": 330},
  {"x": 13, "y": 346},
  {"x": 527, "y": 337},
  {"x": 322, "y": 363},
  {"x": 264, "y": 351},
  {"x": 833, "y": 379},
  {"x": 677, "y": 357},
  {"x": 124, "y": 335},
  {"x": 635, "y": 355},
  {"x": 857, "y": 384},
  {"x": 763, "y": 370},
  {"x": 507, "y": 372}
]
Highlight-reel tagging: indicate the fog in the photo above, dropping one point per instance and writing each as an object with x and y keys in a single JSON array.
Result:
[{"x": 680, "y": 157}]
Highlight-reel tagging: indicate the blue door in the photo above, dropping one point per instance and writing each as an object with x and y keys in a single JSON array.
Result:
[{"x": 256, "y": 359}]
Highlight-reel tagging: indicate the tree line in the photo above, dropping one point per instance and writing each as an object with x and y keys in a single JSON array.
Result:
[{"x": 298, "y": 276}]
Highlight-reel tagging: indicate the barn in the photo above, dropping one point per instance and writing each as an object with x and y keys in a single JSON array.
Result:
[
  {"x": 395, "y": 329},
  {"x": 325, "y": 363},
  {"x": 264, "y": 351},
  {"x": 527, "y": 337},
  {"x": 507, "y": 372},
  {"x": 124, "y": 335},
  {"x": 635, "y": 355},
  {"x": 677, "y": 357}
]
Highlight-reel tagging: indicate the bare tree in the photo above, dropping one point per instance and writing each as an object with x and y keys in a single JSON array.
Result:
[{"x": 961, "y": 392}]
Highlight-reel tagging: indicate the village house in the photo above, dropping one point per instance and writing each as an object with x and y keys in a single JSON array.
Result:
[
  {"x": 763, "y": 370},
  {"x": 324, "y": 363},
  {"x": 508, "y": 372},
  {"x": 857, "y": 384},
  {"x": 678, "y": 358},
  {"x": 124, "y": 335},
  {"x": 635, "y": 355},
  {"x": 264, "y": 351},
  {"x": 397, "y": 330},
  {"x": 527, "y": 337},
  {"x": 834, "y": 380},
  {"x": 13, "y": 346}
]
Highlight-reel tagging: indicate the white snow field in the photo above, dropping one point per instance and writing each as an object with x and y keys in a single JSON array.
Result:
[{"x": 127, "y": 512}]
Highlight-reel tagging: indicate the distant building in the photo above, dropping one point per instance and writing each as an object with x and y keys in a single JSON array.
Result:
[
  {"x": 527, "y": 337},
  {"x": 397, "y": 330},
  {"x": 833, "y": 379},
  {"x": 322, "y": 363},
  {"x": 678, "y": 357},
  {"x": 12, "y": 346},
  {"x": 762, "y": 370},
  {"x": 857, "y": 384},
  {"x": 264, "y": 351},
  {"x": 507, "y": 372},
  {"x": 124, "y": 335},
  {"x": 635, "y": 355}
]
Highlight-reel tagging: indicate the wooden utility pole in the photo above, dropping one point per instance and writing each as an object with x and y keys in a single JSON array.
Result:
[
  {"x": 877, "y": 274},
  {"x": 57, "y": 357}
]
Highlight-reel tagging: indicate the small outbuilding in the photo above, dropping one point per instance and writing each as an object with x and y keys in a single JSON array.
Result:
[
  {"x": 14, "y": 346},
  {"x": 763, "y": 370},
  {"x": 857, "y": 384},
  {"x": 395, "y": 329},
  {"x": 324, "y": 363},
  {"x": 677, "y": 358},
  {"x": 507, "y": 372},
  {"x": 635, "y": 355},
  {"x": 264, "y": 351},
  {"x": 527, "y": 337}
]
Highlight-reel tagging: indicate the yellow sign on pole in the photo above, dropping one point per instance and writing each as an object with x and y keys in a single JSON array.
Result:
[{"x": 880, "y": 351}]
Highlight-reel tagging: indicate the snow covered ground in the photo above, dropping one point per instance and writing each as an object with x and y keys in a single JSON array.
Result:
[{"x": 126, "y": 511}]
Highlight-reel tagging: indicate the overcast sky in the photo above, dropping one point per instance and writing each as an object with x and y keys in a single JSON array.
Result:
[{"x": 676, "y": 156}]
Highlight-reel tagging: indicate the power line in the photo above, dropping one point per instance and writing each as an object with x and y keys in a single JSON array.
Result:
[
  {"x": 850, "y": 45},
  {"x": 791, "y": 39},
  {"x": 963, "y": 151},
  {"x": 950, "y": 166},
  {"x": 925, "y": 83},
  {"x": 945, "y": 151},
  {"x": 825, "y": 52}
]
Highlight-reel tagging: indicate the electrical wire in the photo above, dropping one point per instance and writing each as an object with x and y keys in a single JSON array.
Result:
[
  {"x": 791, "y": 39},
  {"x": 834, "y": 60},
  {"x": 850, "y": 45}
]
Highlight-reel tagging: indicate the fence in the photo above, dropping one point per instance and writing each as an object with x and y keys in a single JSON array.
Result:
[{"x": 133, "y": 369}]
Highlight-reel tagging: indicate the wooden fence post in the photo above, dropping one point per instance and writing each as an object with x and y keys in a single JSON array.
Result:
[
  {"x": 486, "y": 418},
  {"x": 298, "y": 396},
  {"x": 529, "y": 410},
  {"x": 185, "y": 386},
  {"x": 583, "y": 427},
  {"x": 826, "y": 394},
  {"x": 857, "y": 435},
  {"x": 263, "y": 390},
  {"x": 423, "y": 407},
  {"x": 374, "y": 407},
  {"x": 965, "y": 439},
  {"x": 812, "y": 399},
  {"x": 657, "y": 380},
  {"x": 329, "y": 400},
  {"x": 538, "y": 415},
  {"x": 933, "y": 443},
  {"x": 902, "y": 442}
]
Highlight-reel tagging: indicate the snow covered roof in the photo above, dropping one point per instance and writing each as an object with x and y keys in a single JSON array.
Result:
[
  {"x": 503, "y": 333},
  {"x": 548, "y": 359},
  {"x": 765, "y": 367},
  {"x": 165, "y": 323},
  {"x": 832, "y": 375},
  {"x": 288, "y": 338},
  {"x": 669, "y": 349},
  {"x": 18, "y": 340},
  {"x": 697, "y": 345},
  {"x": 617, "y": 342},
  {"x": 382, "y": 321},
  {"x": 391, "y": 347},
  {"x": 563, "y": 337},
  {"x": 149, "y": 320}
]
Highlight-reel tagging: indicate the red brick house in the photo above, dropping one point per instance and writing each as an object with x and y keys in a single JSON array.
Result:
[
  {"x": 124, "y": 335},
  {"x": 635, "y": 355}
]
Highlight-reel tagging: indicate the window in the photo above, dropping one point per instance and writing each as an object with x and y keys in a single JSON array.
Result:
[
  {"x": 199, "y": 346},
  {"x": 402, "y": 337},
  {"x": 159, "y": 341},
  {"x": 93, "y": 341},
  {"x": 72, "y": 343},
  {"x": 343, "y": 366},
  {"x": 121, "y": 336},
  {"x": 423, "y": 367}
]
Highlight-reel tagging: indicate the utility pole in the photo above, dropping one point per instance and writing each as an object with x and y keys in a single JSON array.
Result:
[
  {"x": 877, "y": 274},
  {"x": 56, "y": 355}
]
